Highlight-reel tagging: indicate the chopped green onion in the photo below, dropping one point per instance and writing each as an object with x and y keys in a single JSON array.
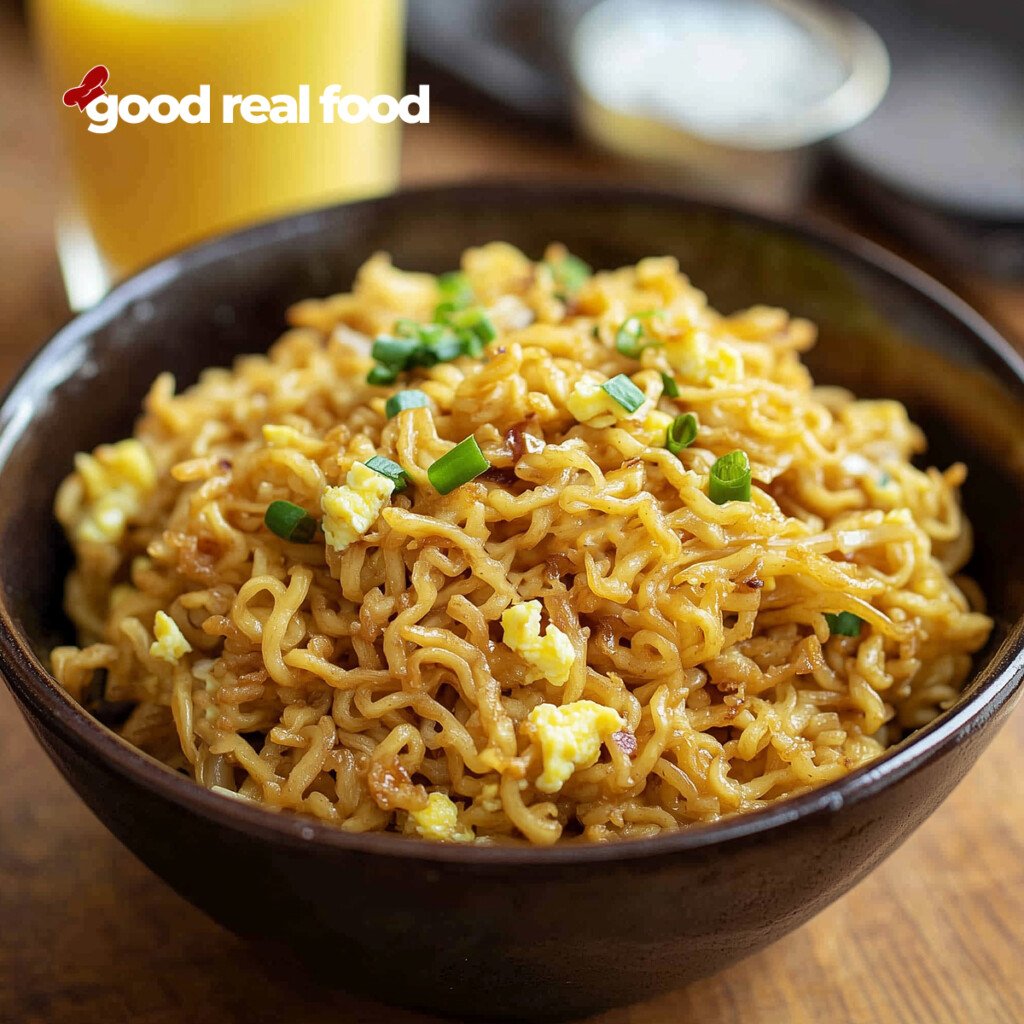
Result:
[
  {"x": 843, "y": 623},
  {"x": 625, "y": 392},
  {"x": 413, "y": 329},
  {"x": 463, "y": 463},
  {"x": 431, "y": 332},
  {"x": 569, "y": 274},
  {"x": 730, "y": 478},
  {"x": 475, "y": 320},
  {"x": 471, "y": 344},
  {"x": 392, "y": 470},
  {"x": 406, "y": 328},
  {"x": 443, "y": 310},
  {"x": 290, "y": 521},
  {"x": 455, "y": 289},
  {"x": 456, "y": 295},
  {"x": 425, "y": 345},
  {"x": 884, "y": 480},
  {"x": 682, "y": 432},
  {"x": 669, "y": 386},
  {"x": 381, "y": 375},
  {"x": 442, "y": 349},
  {"x": 395, "y": 352},
  {"x": 402, "y": 400},
  {"x": 473, "y": 328},
  {"x": 629, "y": 338}
]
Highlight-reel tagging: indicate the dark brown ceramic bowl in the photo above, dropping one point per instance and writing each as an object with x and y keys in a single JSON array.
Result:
[{"x": 513, "y": 932}]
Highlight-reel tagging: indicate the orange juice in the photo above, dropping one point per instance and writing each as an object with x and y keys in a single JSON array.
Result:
[{"x": 145, "y": 189}]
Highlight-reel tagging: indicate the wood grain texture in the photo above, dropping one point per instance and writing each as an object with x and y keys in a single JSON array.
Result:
[{"x": 89, "y": 936}]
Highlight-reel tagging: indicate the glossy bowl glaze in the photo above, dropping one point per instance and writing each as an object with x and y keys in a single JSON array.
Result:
[{"x": 515, "y": 932}]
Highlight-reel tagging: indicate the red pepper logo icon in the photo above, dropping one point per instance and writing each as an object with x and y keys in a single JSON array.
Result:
[{"x": 91, "y": 87}]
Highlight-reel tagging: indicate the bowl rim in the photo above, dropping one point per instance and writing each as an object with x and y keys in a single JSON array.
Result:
[{"x": 988, "y": 691}]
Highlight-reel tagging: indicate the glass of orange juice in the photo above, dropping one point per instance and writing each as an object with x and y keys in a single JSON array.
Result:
[{"x": 141, "y": 190}]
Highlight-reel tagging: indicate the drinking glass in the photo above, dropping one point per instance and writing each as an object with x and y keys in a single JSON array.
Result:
[{"x": 142, "y": 190}]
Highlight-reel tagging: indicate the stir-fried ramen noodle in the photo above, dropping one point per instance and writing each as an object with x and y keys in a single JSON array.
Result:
[{"x": 602, "y": 635}]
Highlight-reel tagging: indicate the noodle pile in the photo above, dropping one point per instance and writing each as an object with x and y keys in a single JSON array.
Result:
[{"x": 373, "y": 687}]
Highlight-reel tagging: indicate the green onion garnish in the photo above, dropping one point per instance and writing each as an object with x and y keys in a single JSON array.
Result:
[
  {"x": 473, "y": 327},
  {"x": 629, "y": 338},
  {"x": 381, "y": 375},
  {"x": 682, "y": 432},
  {"x": 456, "y": 295},
  {"x": 290, "y": 521},
  {"x": 445, "y": 349},
  {"x": 419, "y": 345},
  {"x": 569, "y": 274},
  {"x": 402, "y": 400},
  {"x": 484, "y": 329},
  {"x": 442, "y": 349},
  {"x": 730, "y": 478},
  {"x": 625, "y": 392},
  {"x": 443, "y": 310},
  {"x": 394, "y": 352},
  {"x": 843, "y": 623},
  {"x": 471, "y": 344},
  {"x": 406, "y": 328},
  {"x": 669, "y": 386},
  {"x": 431, "y": 332},
  {"x": 475, "y": 320},
  {"x": 455, "y": 289},
  {"x": 392, "y": 470},
  {"x": 463, "y": 463}
]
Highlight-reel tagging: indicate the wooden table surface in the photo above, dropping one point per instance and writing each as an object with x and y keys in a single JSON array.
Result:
[{"x": 89, "y": 936}]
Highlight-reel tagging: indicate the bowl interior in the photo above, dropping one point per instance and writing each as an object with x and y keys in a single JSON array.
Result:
[{"x": 880, "y": 334}]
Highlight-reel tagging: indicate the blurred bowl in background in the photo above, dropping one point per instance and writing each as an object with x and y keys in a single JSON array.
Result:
[
  {"x": 942, "y": 159},
  {"x": 730, "y": 97}
]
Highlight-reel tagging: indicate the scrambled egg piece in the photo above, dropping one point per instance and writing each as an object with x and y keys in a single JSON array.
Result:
[
  {"x": 350, "y": 510},
  {"x": 551, "y": 655},
  {"x": 701, "y": 361},
  {"x": 116, "y": 478},
  {"x": 655, "y": 427},
  {"x": 170, "y": 644},
  {"x": 439, "y": 821},
  {"x": 490, "y": 797},
  {"x": 570, "y": 737},
  {"x": 591, "y": 404}
]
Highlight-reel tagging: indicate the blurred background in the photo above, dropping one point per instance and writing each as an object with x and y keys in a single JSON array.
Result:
[
  {"x": 905, "y": 120},
  {"x": 901, "y": 120}
]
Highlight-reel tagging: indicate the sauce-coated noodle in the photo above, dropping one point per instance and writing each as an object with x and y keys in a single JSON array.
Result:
[{"x": 376, "y": 687}]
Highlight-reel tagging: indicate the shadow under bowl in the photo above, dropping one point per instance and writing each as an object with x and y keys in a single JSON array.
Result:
[{"x": 513, "y": 932}]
